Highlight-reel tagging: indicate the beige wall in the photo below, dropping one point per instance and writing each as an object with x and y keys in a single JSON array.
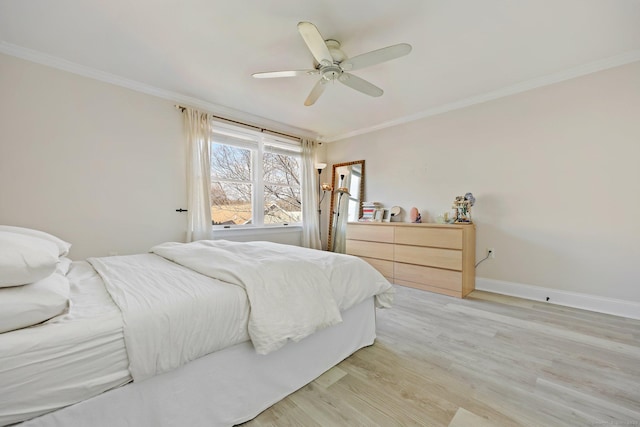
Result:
[
  {"x": 98, "y": 165},
  {"x": 555, "y": 172}
]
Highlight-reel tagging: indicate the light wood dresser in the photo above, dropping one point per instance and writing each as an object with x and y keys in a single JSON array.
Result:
[{"x": 433, "y": 257}]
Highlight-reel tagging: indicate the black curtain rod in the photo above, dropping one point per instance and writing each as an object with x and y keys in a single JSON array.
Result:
[{"x": 182, "y": 108}]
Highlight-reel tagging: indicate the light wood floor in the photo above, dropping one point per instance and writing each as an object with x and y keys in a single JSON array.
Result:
[{"x": 488, "y": 360}]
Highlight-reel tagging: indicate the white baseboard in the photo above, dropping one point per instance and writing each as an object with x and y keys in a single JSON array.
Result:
[{"x": 596, "y": 303}]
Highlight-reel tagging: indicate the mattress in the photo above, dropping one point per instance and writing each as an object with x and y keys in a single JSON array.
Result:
[{"x": 66, "y": 359}]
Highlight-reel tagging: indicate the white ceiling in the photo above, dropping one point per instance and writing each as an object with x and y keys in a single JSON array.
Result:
[{"x": 203, "y": 52}]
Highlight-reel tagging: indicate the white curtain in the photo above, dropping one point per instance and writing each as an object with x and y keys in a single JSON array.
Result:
[
  {"x": 310, "y": 220},
  {"x": 198, "y": 135}
]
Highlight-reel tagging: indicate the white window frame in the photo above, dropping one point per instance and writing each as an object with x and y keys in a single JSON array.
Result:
[{"x": 256, "y": 141}]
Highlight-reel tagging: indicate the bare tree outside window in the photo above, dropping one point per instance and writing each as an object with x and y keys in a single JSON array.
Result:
[
  {"x": 233, "y": 183},
  {"x": 282, "y": 200}
]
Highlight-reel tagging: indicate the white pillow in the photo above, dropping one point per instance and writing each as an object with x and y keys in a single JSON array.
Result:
[
  {"x": 63, "y": 247},
  {"x": 25, "y": 259},
  {"x": 27, "y": 305}
]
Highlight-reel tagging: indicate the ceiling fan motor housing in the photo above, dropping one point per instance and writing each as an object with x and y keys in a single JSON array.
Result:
[{"x": 330, "y": 72}]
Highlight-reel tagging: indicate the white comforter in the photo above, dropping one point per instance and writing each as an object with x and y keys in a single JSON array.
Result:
[
  {"x": 292, "y": 291},
  {"x": 171, "y": 314}
]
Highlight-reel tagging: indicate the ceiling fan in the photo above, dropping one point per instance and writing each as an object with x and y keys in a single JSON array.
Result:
[{"x": 333, "y": 64}]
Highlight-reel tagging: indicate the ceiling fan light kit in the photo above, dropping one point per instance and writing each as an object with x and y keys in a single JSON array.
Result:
[{"x": 333, "y": 64}]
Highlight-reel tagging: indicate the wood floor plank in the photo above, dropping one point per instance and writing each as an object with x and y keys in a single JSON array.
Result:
[
  {"x": 488, "y": 360},
  {"x": 588, "y": 403},
  {"x": 464, "y": 418},
  {"x": 327, "y": 379}
]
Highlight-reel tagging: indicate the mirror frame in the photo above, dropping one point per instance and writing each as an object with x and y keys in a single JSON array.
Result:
[{"x": 333, "y": 198}]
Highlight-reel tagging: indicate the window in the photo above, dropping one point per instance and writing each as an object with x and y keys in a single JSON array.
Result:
[{"x": 255, "y": 178}]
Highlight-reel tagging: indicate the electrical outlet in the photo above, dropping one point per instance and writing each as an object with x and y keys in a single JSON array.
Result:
[{"x": 491, "y": 253}]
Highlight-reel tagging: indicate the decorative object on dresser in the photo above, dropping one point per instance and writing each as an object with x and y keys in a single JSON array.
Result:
[
  {"x": 369, "y": 210},
  {"x": 433, "y": 257},
  {"x": 462, "y": 205},
  {"x": 416, "y": 218},
  {"x": 445, "y": 218},
  {"x": 395, "y": 214},
  {"x": 347, "y": 176}
]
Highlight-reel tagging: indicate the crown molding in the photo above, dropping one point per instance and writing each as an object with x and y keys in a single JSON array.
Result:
[
  {"x": 92, "y": 73},
  {"x": 62, "y": 64},
  {"x": 589, "y": 68}
]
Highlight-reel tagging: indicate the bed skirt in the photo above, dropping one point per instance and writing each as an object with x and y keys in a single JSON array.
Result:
[{"x": 224, "y": 388}]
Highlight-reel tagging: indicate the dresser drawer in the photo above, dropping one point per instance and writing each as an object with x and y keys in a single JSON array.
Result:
[
  {"x": 374, "y": 233},
  {"x": 445, "y": 279},
  {"x": 370, "y": 249},
  {"x": 431, "y": 257},
  {"x": 450, "y": 238},
  {"x": 383, "y": 266}
]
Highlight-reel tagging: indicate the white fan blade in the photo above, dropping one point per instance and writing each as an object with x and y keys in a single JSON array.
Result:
[
  {"x": 361, "y": 85},
  {"x": 315, "y": 42},
  {"x": 375, "y": 57},
  {"x": 290, "y": 73},
  {"x": 315, "y": 92}
]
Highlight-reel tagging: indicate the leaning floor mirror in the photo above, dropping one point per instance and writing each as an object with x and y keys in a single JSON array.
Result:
[{"x": 346, "y": 201}]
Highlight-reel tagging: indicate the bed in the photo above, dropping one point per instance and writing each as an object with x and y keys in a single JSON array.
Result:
[{"x": 206, "y": 333}]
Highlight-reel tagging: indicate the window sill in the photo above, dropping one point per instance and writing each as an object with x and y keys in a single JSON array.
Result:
[{"x": 243, "y": 230}]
